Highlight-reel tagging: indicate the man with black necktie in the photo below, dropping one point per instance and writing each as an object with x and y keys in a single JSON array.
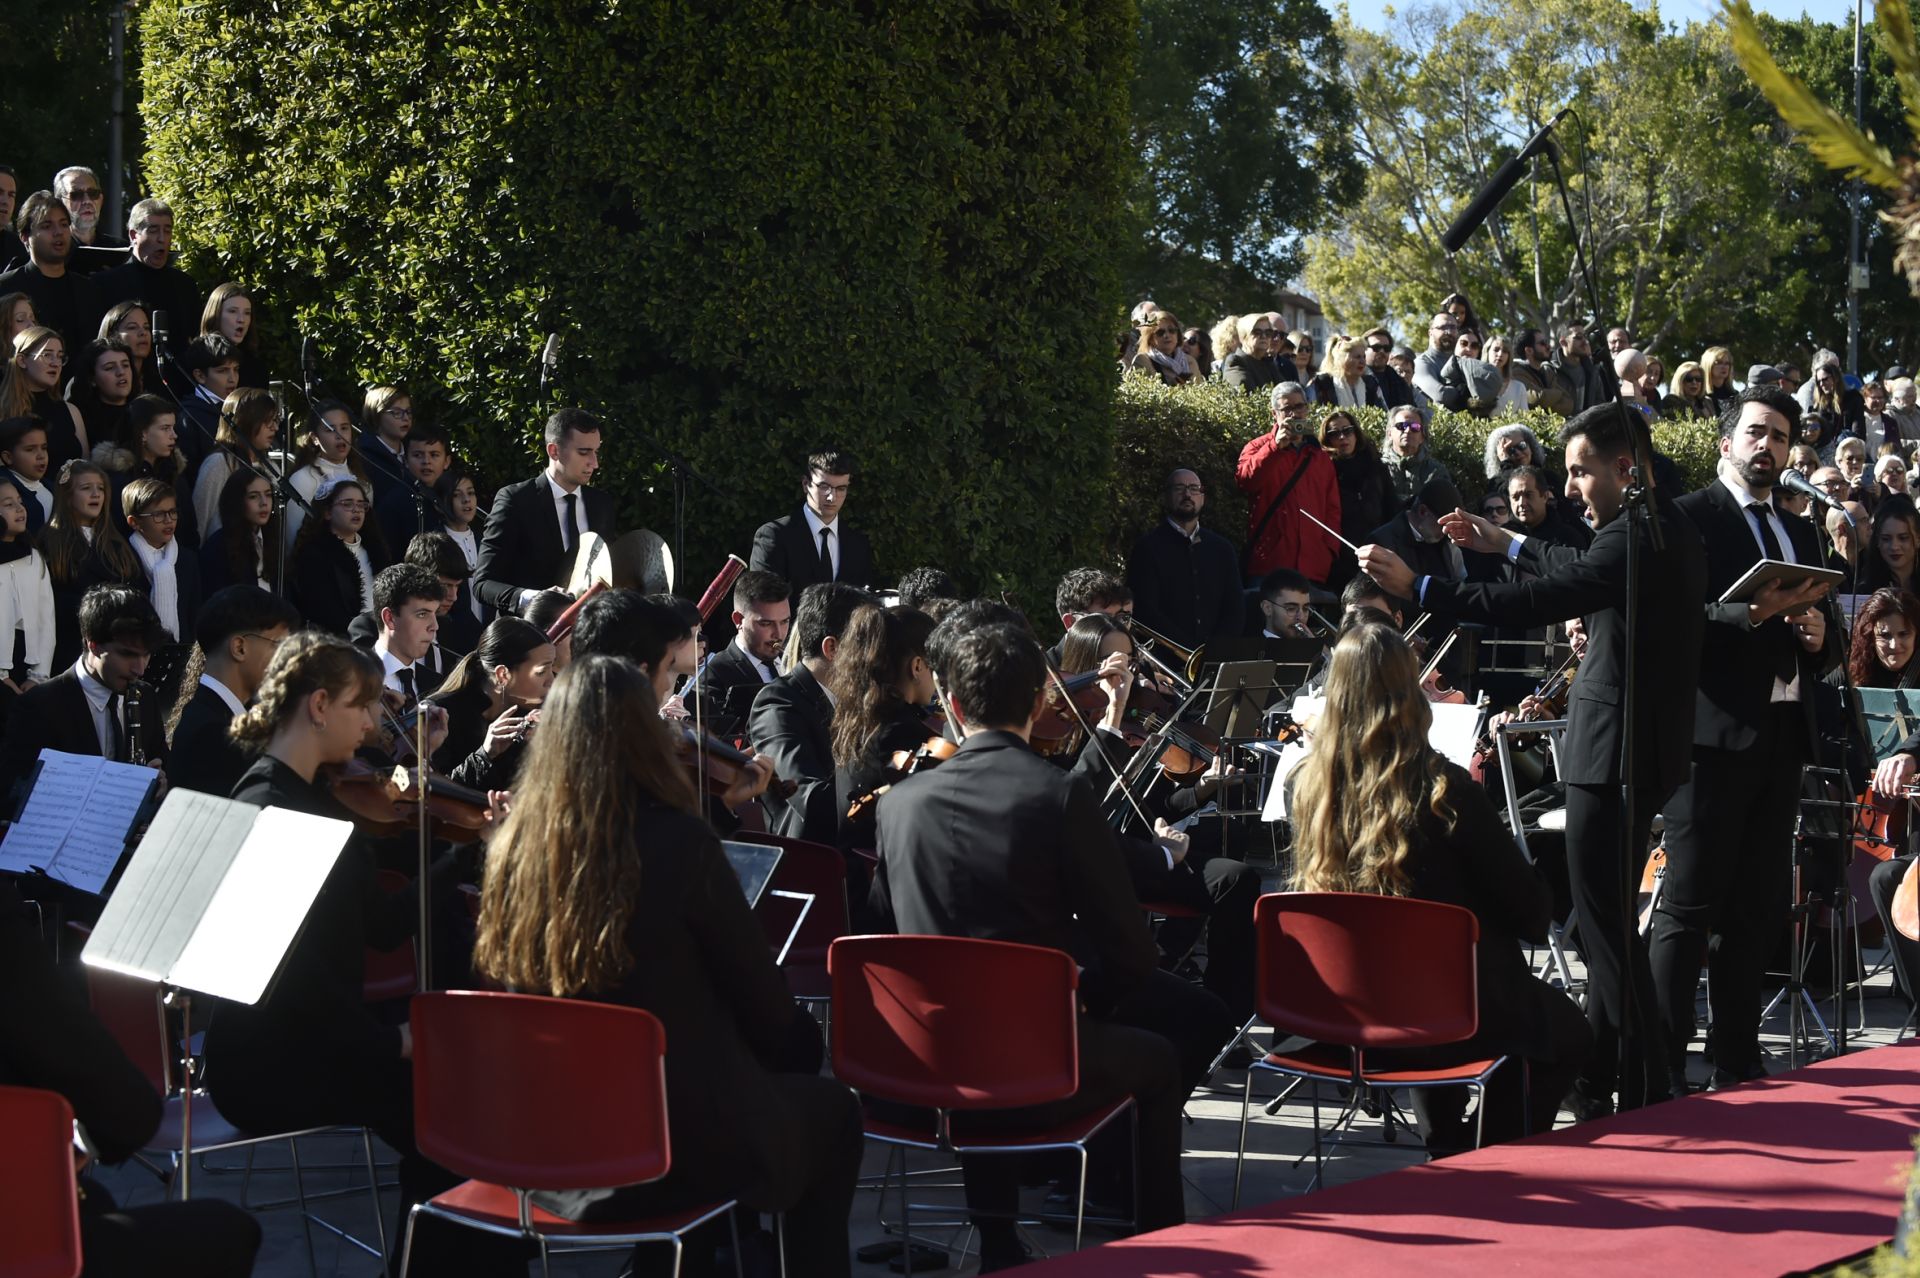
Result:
[
  {"x": 84, "y": 709},
  {"x": 814, "y": 543},
  {"x": 535, "y": 526},
  {"x": 407, "y": 598},
  {"x": 792, "y": 717},
  {"x": 732, "y": 677},
  {"x": 1729, "y": 836}
]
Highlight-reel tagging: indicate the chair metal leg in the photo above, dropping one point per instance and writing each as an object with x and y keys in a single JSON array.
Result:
[
  {"x": 1319, "y": 1160},
  {"x": 906, "y": 1220},
  {"x": 1240, "y": 1159},
  {"x": 406, "y": 1243},
  {"x": 1479, "y": 1114},
  {"x": 1079, "y": 1199},
  {"x": 300, "y": 1192},
  {"x": 546, "y": 1272},
  {"x": 679, "y": 1254},
  {"x": 373, "y": 1192},
  {"x": 779, "y": 1242}
]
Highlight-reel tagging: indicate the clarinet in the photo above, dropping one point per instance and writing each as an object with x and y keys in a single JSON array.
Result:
[{"x": 136, "y": 752}]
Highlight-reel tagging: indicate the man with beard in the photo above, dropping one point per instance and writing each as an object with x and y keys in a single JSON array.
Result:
[
  {"x": 62, "y": 300},
  {"x": 1185, "y": 578},
  {"x": 95, "y": 246},
  {"x": 1729, "y": 829}
]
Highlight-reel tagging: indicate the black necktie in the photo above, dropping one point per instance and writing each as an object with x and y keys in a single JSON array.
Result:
[
  {"x": 405, "y": 675},
  {"x": 1760, "y": 510},
  {"x": 772, "y": 674},
  {"x": 570, "y": 531},
  {"x": 826, "y": 554},
  {"x": 116, "y": 730}
]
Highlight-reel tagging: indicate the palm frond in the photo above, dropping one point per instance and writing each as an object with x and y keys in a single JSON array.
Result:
[
  {"x": 1896, "y": 37},
  {"x": 1829, "y": 135}
]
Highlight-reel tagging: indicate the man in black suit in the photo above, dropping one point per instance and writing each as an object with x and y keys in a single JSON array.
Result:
[
  {"x": 998, "y": 844},
  {"x": 534, "y": 526},
  {"x": 83, "y": 710},
  {"x": 150, "y": 277},
  {"x": 239, "y": 630},
  {"x": 1185, "y": 578},
  {"x": 791, "y": 721},
  {"x": 1729, "y": 830},
  {"x": 814, "y": 544},
  {"x": 1604, "y": 857},
  {"x": 733, "y": 676}
]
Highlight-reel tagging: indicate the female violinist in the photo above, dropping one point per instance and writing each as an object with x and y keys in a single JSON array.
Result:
[
  {"x": 312, "y": 1053},
  {"x": 881, "y": 685},
  {"x": 492, "y": 700}
]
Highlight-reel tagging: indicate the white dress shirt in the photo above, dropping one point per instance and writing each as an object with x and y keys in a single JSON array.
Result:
[
  {"x": 97, "y": 696},
  {"x": 560, "y": 510},
  {"x": 469, "y": 543},
  {"x": 225, "y": 694},
  {"x": 814, "y": 528},
  {"x": 759, "y": 666},
  {"x": 1783, "y": 689}
]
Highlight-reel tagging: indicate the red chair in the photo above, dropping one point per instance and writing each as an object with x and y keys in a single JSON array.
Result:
[
  {"x": 925, "y": 1021},
  {"x": 599, "y": 1121},
  {"x": 39, "y": 1200},
  {"x": 818, "y": 871},
  {"x": 1356, "y": 971}
]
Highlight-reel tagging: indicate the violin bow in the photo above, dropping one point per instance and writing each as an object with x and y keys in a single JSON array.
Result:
[{"x": 1119, "y": 775}]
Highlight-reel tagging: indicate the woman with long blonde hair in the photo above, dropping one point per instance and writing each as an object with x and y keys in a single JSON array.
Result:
[
  {"x": 605, "y": 884},
  {"x": 1377, "y": 809}
]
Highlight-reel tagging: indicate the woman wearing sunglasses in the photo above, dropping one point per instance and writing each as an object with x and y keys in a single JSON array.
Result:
[{"x": 1367, "y": 500}]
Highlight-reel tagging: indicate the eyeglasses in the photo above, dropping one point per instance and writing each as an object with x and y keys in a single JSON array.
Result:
[
  {"x": 1337, "y": 432},
  {"x": 1382, "y": 347},
  {"x": 57, "y": 357},
  {"x": 91, "y": 193},
  {"x": 269, "y": 640},
  {"x": 398, "y": 412},
  {"x": 1409, "y": 427},
  {"x": 160, "y": 516},
  {"x": 1263, "y": 332},
  {"x": 1196, "y": 489},
  {"x": 1292, "y": 406},
  {"x": 350, "y": 506},
  {"x": 832, "y": 490},
  {"x": 1690, "y": 377}
]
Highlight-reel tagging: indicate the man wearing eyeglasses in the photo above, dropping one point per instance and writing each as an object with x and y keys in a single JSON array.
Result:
[
  {"x": 1409, "y": 464},
  {"x": 1286, "y": 477},
  {"x": 814, "y": 544},
  {"x": 1251, "y": 367},
  {"x": 1185, "y": 578},
  {"x": 63, "y": 300},
  {"x": 1378, "y": 345},
  {"x": 95, "y": 247},
  {"x": 1429, "y": 366}
]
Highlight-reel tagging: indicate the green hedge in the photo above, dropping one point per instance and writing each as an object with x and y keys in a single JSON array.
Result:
[
  {"x": 761, "y": 226},
  {"x": 1204, "y": 426}
]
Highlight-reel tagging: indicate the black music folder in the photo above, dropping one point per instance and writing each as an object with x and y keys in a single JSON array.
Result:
[
  {"x": 215, "y": 895},
  {"x": 77, "y": 819}
]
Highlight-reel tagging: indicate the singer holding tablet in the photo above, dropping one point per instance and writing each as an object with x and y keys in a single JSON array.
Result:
[{"x": 1730, "y": 825}]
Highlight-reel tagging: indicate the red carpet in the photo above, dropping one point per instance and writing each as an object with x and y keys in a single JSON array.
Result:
[{"x": 1791, "y": 1173}]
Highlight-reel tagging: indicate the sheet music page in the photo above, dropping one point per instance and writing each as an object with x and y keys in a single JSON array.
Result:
[
  {"x": 94, "y": 844},
  {"x": 1452, "y": 732},
  {"x": 261, "y": 904},
  {"x": 58, "y": 797},
  {"x": 175, "y": 871}
]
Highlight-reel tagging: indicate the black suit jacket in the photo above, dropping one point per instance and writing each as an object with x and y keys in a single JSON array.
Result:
[
  {"x": 726, "y": 689},
  {"x": 55, "y": 715},
  {"x": 1188, "y": 591},
  {"x": 432, "y": 670},
  {"x": 1738, "y": 662},
  {"x": 792, "y": 724},
  {"x": 521, "y": 548},
  {"x": 787, "y": 546},
  {"x": 1593, "y": 584},
  {"x": 205, "y": 758},
  {"x": 997, "y": 843}
]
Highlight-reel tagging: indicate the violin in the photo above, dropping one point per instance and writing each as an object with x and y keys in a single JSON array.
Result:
[
  {"x": 1057, "y": 730},
  {"x": 931, "y": 753},
  {"x": 1432, "y": 685},
  {"x": 386, "y": 803},
  {"x": 722, "y": 766}
]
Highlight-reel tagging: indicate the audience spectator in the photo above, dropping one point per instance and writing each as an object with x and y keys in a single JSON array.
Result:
[
  {"x": 1531, "y": 369},
  {"x": 1457, "y": 305},
  {"x": 1367, "y": 499},
  {"x": 1283, "y": 473},
  {"x": 1618, "y": 339},
  {"x": 1653, "y": 381},
  {"x": 1344, "y": 380},
  {"x": 1394, "y": 390},
  {"x": 1466, "y": 374},
  {"x": 1303, "y": 350},
  {"x": 1513, "y": 391},
  {"x": 1902, "y": 395},
  {"x": 1429, "y": 366},
  {"x": 1250, "y": 368},
  {"x": 1689, "y": 397},
  {"x": 1828, "y": 395},
  {"x": 1629, "y": 367},
  {"x": 62, "y": 299},
  {"x": 1890, "y": 478},
  {"x": 1158, "y": 351},
  {"x": 1850, "y": 456},
  {"x": 1895, "y": 547},
  {"x": 1225, "y": 339},
  {"x": 1495, "y": 508},
  {"x": 1511, "y": 446},
  {"x": 1720, "y": 392},
  {"x": 1535, "y": 512},
  {"x": 1185, "y": 578},
  {"x": 1198, "y": 350},
  {"x": 150, "y": 277},
  {"x": 1584, "y": 381},
  {"x": 1409, "y": 464}
]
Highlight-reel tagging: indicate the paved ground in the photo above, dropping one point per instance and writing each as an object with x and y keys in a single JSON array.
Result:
[{"x": 1272, "y": 1171}]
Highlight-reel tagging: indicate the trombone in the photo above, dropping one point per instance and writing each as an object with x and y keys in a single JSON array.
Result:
[{"x": 1190, "y": 659}]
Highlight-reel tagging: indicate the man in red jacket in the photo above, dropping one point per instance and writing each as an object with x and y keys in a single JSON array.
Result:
[{"x": 1284, "y": 474}]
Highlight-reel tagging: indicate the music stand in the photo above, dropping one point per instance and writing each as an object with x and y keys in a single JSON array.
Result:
[
  {"x": 753, "y": 864},
  {"x": 214, "y": 897},
  {"x": 1237, "y": 698}
]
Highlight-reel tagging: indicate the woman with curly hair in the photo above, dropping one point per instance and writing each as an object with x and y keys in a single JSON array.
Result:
[{"x": 1884, "y": 630}]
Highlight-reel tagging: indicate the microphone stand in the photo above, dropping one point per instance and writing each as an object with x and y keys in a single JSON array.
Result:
[{"x": 684, "y": 475}]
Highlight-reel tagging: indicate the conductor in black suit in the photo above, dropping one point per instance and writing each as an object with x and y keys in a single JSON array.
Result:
[
  {"x": 792, "y": 718},
  {"x": 998, "y": 844},
  {"x": 534, "y": 526},
  {"x": 1560, "y": 583},
  {"x": 238, "y": 631},
  {"x": 83, "y": 709},
  {"x": 1729, "y": 830},
  {"x": 733, "y": 676},
  {"x": 814, "y": 544}
]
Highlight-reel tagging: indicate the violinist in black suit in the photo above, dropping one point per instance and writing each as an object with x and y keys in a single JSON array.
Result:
[
  {"x": 733, "y": 676},
  {"x": 814, "y": 544},
  {"x": 792, "y": 718},
  {"x": 534, "y": 526},
  {"x": 84, "y": 709},
  {"x": 1729, "y": 830},
  {"x": 238, "y": 632},
  {"x": 1559, "y": 583}
]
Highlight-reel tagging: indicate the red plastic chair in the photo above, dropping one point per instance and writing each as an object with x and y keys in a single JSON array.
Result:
[
  {"x": 1356, "y": 971},
  {"x": 39, "y": 1202},
  {"x": 925, "y": 1020},
  {"x": 816, "y": 870},
  {"x": 599, "y": 1074}
]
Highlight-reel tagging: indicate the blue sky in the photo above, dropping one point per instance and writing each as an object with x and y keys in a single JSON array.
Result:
[{"x": 1368, "y": 12}]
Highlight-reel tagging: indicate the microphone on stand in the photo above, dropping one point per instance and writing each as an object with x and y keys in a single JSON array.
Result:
[
  {"x": 309, "y": 365},
  {"x": 160, "y": 328},
  {"x": 549, "y": 360},
  {"x": 1794, "y": 481},
  {"x": 1503, "y": 181}
]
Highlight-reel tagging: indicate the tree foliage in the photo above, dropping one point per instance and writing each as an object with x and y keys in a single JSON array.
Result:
[
  {"x": 1241, "y": 125},
  {"x": 55, "y": 88},
  {"x": 1702, "y": 224},
  {"x": 760, "y": 228}
]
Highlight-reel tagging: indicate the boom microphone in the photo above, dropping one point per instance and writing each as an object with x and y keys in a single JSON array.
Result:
[
  {"x": 1794, "y": 481},
  {"x": 549, "y": 360},
  {"x": 1504, "y": 180}
]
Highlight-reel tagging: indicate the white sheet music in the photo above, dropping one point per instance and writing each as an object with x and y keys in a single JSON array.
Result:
[
  {"x": 77, "y": 818},
  {"x": 1452, "y": 734}
]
